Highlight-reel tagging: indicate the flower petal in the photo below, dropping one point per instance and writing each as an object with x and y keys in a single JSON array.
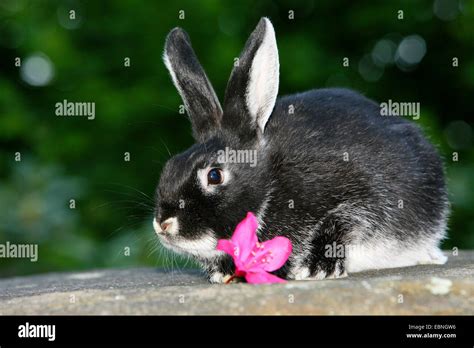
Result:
[
  {"x": 262, "y": 278},
  {"x": 226, "y": 246},
  {"x": 245, "y": 236},
  {"x": 280, "y": 248},
  {"x": 229, "y": 247}
]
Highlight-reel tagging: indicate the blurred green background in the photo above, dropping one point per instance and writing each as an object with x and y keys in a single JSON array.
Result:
[{"x": 84, "y": 59}]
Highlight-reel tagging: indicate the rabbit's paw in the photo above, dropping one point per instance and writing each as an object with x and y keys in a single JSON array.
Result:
[
  {"x": 219, "y": 278},
  {"x": 323, "y": 271},
  {"x": 338, "y": 271}
]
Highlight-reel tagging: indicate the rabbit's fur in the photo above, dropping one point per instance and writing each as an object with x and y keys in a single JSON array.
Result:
[{"x": 351, "y": 189}]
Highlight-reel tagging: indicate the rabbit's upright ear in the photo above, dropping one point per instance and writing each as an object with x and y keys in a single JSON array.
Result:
[
  {"x": 188, "y": 76},
  {"x": 253, "y": 85}
]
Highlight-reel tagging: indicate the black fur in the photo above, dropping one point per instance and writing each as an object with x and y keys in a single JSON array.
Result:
[{"x": 200, "y": 99}]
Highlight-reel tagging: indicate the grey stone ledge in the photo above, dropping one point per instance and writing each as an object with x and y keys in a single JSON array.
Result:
[{"x": 418, "y": 290}]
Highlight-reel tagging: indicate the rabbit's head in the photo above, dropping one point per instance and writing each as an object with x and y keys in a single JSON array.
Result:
[{"x": 205, "y": 191}]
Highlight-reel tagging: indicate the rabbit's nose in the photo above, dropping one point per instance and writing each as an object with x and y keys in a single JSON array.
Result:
[
  {"x": 165, "y": 225},
  {"x": 169, "y": 226},
  {"x": 157, "y": 227}
]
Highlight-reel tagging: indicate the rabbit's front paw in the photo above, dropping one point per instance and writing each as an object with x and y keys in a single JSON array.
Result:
[
  {"x": 338, "y": 271},
  {"x": 322, "y": 271},
  {"x": 219, "y": 278}
]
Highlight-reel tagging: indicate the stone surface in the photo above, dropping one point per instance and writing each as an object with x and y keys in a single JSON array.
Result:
[{"x": 424, "y": 289}]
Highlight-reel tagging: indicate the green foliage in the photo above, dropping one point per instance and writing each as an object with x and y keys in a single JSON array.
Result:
[{"x": 66, "y": 158}]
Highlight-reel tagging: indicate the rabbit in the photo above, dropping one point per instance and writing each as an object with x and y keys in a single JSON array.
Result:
[{"x": 353, "y": 190}]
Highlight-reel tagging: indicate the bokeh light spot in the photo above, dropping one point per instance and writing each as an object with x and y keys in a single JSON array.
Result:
[
  {"x": 446, "y": 10},
  {"x": 369, "y": 70},
  {"x": 65, "y": 20},
  {"x": 411, "y": 50},
  {"x": 459, "y": 135},
  {"x": 383, "y": 52},
  {"x": 37, "y": 70}
]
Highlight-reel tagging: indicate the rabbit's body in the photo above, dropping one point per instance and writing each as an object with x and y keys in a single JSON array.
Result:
[
  {"x": 374, "y": 178},
  {"x": 351, "y": 189}
]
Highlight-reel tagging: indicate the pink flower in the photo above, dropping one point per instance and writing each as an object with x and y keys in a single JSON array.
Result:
[{"x": 253, "y": 260}]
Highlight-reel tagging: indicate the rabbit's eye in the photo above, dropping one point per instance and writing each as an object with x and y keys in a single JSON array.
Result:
[{"x": 214, "y": 176}]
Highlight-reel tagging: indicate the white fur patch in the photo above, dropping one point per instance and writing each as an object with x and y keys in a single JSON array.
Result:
[
  {"x": 217, "y": 278},
  {"x": 303, "y": 273},
  {"x": 381, "y": 251},
  {"x": 262, "y": 210},
  {"x": 168, "y": 65},
  {"x": 391, "y": 254},
  {"x": 204, "y": 247},
  {"x": 262, "y": 89},
  {"x": 300, "y": 273},
  {"x": 156, "y": 226}
]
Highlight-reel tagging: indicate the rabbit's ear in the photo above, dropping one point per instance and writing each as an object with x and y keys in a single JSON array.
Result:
[
  {"x": 188, "y": 76},
  {"x": 253, "y": 85}
]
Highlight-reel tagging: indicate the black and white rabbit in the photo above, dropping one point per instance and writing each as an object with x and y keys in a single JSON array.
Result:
[{"x": 352, "y": 190}]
